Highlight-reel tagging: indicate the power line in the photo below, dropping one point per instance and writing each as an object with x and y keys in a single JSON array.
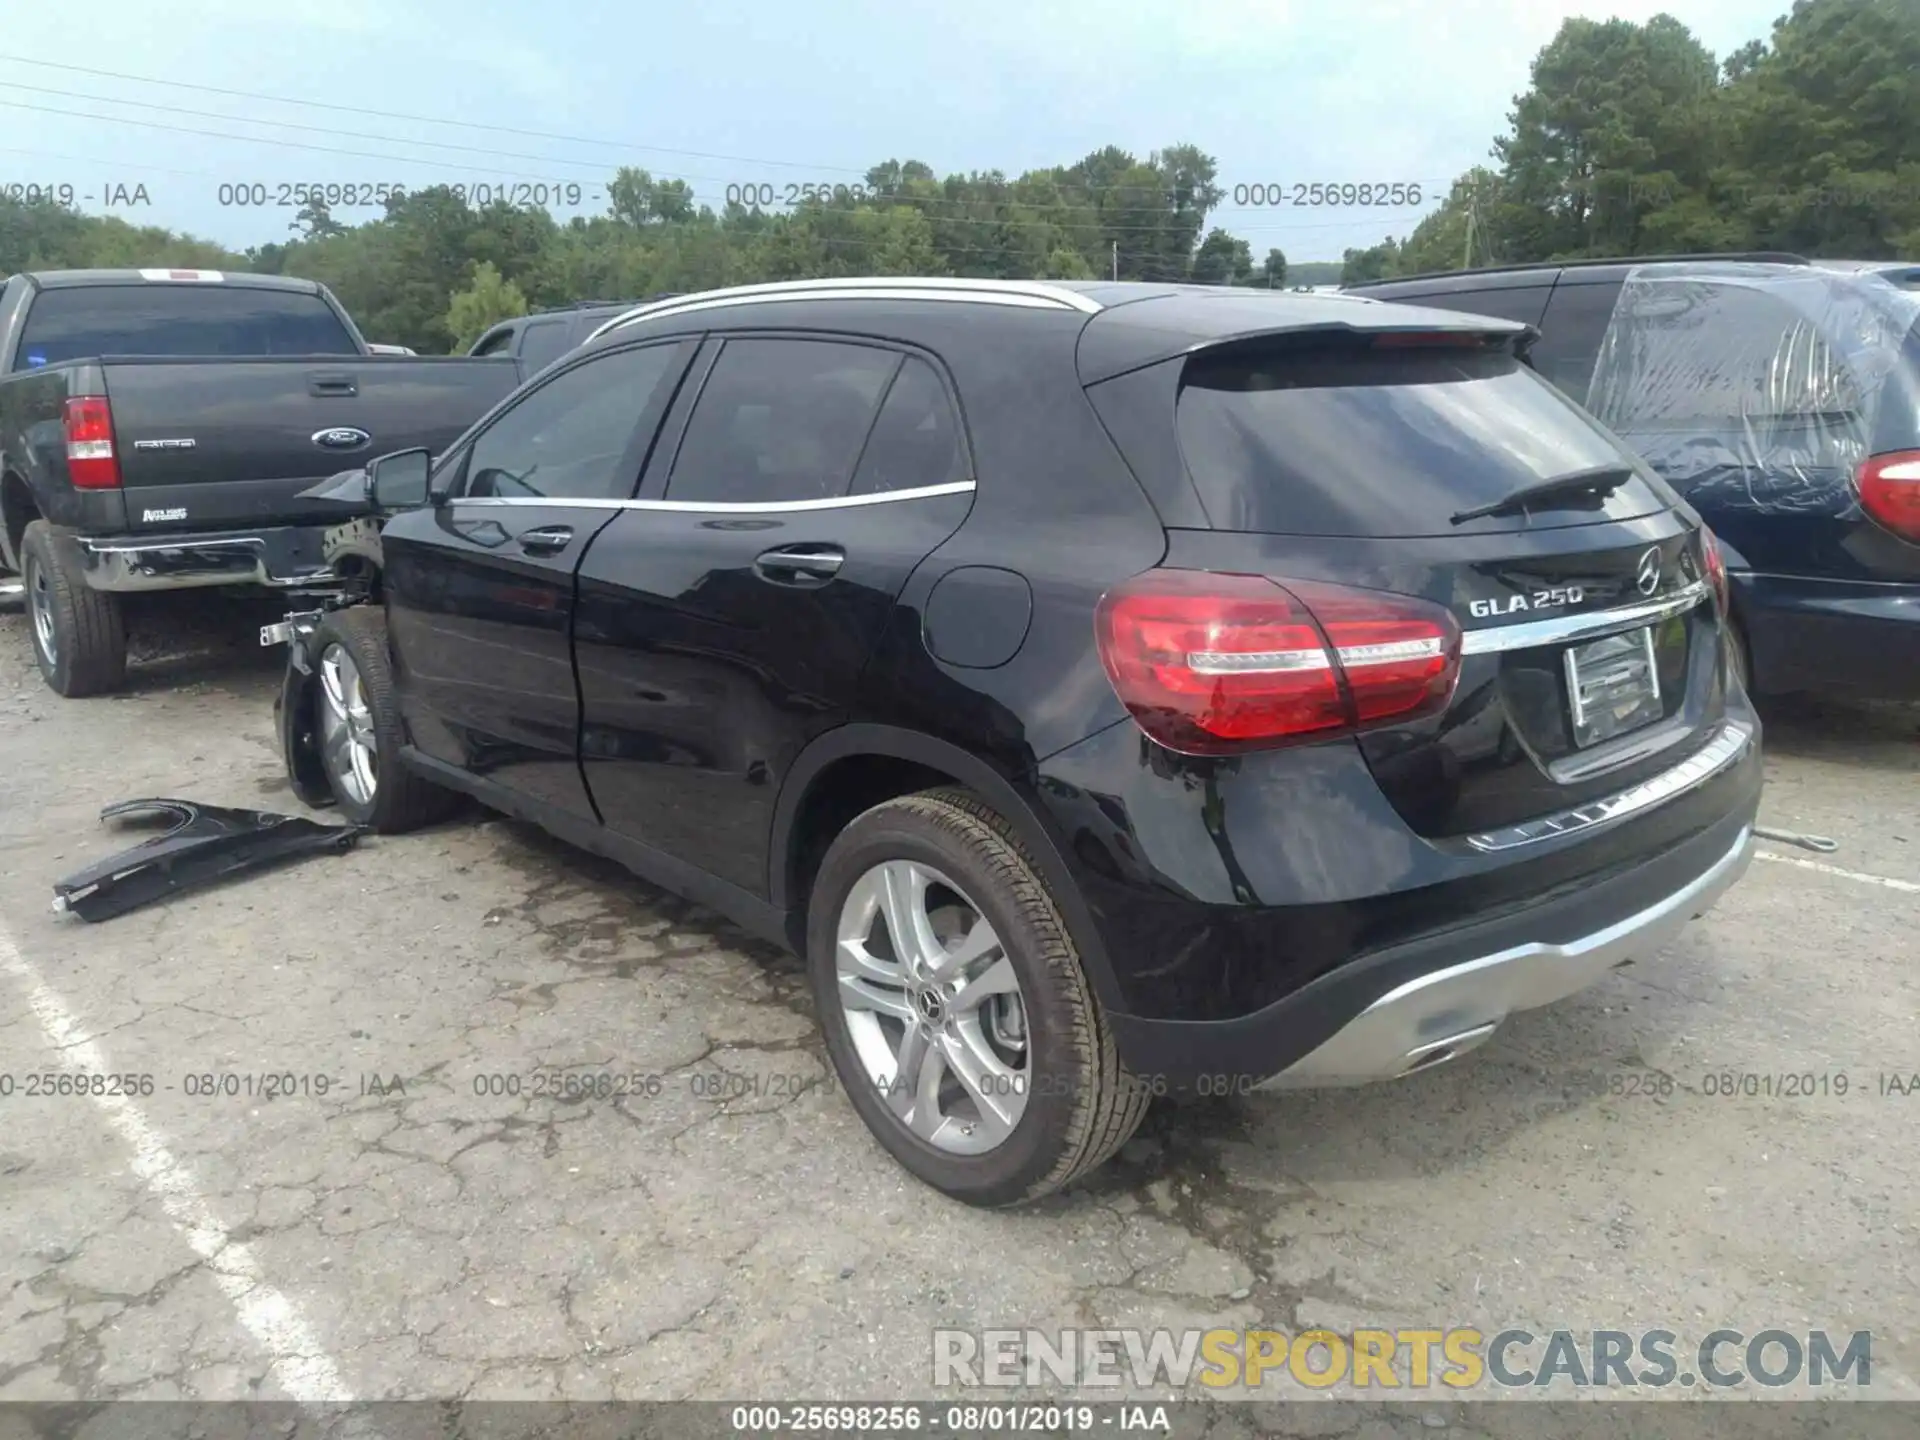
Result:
[
  {"x": 424, "y": 119},
  {"x": 599, "y": 165},
  {"x": 470, "y": 125}
]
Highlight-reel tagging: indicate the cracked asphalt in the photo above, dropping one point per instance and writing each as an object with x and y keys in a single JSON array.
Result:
[{"x": 578, "y": 1139}]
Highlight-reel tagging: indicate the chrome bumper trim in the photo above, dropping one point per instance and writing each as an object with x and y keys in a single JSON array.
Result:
[
  {"x": 1439, "y": 1017},
  {"x": 1497, "y": 638},
  {"x": 272, "y": 559},
  {"x": 1709, "y": 760}
]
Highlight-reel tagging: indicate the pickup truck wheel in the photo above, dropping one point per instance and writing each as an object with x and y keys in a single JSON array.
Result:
[
  {"x": 358, "y": 722},
  {"x": 955, "y": 1006},
  {"x": 79, "y": 638}
]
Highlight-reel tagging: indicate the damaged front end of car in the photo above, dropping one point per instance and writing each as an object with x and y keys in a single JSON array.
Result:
[{"x": 352, "y": 547}]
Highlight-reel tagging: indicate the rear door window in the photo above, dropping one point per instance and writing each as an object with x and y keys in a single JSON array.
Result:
[
  {"x": 781, "y": 420},
  {"x": 1347, "y": 439},
  {"x": 199, "y": 319},
  {"x": 916, "y": 441}
]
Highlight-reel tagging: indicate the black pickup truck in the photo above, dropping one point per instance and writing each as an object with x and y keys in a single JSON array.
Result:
[{"x": 157, "y": 428}]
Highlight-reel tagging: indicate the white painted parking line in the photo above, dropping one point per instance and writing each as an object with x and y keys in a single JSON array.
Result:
[
  {"x": 1907, "y": 886},
  {"x": 300, "y": 1365}
]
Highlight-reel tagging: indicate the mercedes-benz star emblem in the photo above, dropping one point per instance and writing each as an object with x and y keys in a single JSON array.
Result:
[{"x": 1646, "y": 575}]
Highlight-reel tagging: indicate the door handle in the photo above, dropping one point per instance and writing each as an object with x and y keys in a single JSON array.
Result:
[
  {"x": 548, "y": 540},
  {"x": 801, "y": 567}
]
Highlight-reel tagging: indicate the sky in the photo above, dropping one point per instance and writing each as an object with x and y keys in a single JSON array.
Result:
[{"x": 514, "y": 97}]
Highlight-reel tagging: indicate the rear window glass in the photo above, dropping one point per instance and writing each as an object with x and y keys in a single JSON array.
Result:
[
  {"x": 545, "y": 342},
  {"x": 185, "y": 319},
  {"x": 1345, "y": 440}
]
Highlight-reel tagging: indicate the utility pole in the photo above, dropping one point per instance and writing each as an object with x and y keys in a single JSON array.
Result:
[
  {"x": 1116, "y": 260},
  {"x": 1473, "y": 206}
]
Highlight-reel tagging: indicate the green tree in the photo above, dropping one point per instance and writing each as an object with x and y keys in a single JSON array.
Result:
[
  {"x": 315, "y": 222},
  {"x": 490, "y": 299},
  {"x": 1825, "y": 129},
  {"x": 1222, "y": 260},
  {"x": 1376, "y": 262}
]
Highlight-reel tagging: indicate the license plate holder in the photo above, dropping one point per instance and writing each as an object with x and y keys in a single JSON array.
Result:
[{"x": 1613, "y": 686}]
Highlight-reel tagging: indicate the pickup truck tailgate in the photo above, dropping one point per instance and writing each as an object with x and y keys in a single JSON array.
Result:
[{"x": 231, "y": 442}]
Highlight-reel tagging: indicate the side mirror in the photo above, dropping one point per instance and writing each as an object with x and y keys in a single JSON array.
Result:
[{"x": 399, "y": 480}]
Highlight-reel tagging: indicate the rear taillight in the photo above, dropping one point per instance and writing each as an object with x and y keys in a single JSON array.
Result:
[
  {"x": 1715, "y": 565},
  {"x": 1890, "y": 492},
  {"x": 91, "y": 463},
  {"x": 1210, "y": 664}
]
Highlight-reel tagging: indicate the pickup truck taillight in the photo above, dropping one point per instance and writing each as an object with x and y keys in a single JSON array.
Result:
[{"x": 91, "y": 463}]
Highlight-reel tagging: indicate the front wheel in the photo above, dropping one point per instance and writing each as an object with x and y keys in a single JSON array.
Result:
[
  {"x": 356, "y": 721},
  {"x": 956, "y": 1008}
]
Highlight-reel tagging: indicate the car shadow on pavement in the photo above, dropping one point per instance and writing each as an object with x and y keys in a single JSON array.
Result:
[{"x": 1883, "y": 735}]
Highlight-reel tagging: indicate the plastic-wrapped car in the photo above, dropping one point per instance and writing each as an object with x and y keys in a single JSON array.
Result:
[
  {"x": 1781, "y": 398},
  {"x": 1784, "y": 403}
]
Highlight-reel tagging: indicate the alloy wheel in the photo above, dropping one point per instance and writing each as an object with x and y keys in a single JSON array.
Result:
[
  {"x": 933, "y": 1005},
  {"x": 40, "y": 601},
  {"x": 346, "y": 726}
]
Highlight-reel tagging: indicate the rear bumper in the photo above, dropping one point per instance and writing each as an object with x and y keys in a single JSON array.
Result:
[
  {"x": 1859, "y": 637},
  {"x": 1427, "y": 1002},
  {"x": 1442, "y": 1015},
  {"x": 279, "y": 558}
]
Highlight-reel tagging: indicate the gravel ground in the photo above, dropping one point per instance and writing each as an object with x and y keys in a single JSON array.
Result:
[{"x": 412, "y": 1233}]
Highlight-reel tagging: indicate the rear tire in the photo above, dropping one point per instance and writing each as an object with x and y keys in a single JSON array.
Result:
[
  {"x": 1047, "y": 1099},
  {"x": 357, "y": 720},
  {"x": 79, "y": 636}
]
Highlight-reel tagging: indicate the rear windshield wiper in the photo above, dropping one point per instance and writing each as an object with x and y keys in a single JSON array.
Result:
[{"x": 1593, "y": 480}]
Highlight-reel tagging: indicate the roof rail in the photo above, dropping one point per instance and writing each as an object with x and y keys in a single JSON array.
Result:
[
  {"x": 1030, "y": 294},
  {"x": 1753, "y": 257}
]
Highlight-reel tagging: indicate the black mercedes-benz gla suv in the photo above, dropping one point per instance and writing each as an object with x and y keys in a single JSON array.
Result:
[{"x": 1110, "y": 689}]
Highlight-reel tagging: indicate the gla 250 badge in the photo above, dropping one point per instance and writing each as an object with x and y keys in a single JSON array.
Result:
[{"x": 1554, "y": 599}]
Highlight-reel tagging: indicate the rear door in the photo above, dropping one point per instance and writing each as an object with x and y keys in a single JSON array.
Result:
[
  {"x": 725, "y": 619},
  {"x": 480, "y": 589},
  {"x": 1353, "y": 461}
]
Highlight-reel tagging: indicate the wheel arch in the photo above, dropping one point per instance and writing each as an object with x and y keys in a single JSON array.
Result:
[
  {"x": 921, "y": 761},
  {"x": 17, "y": 510}
]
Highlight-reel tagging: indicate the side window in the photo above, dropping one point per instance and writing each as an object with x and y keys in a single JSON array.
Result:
[
  {"x": 916, "y": 440},
  {"x": 1504, "y": 302},
  {"x": 544, "y": 342},
  {"x": 495, "y": 344},
  {"x": 567, "y": 439},
  {"x": 780, "y": 420},
  {"x": 1570, "y": 335}
]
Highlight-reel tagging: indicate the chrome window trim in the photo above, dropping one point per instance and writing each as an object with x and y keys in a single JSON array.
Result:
[
  {"x": 727, "y": 507},
  {"x": 1496, "y": 639},
  {"x": 1713, "y": 757},
  {"x": 1031, "y": 294}
]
